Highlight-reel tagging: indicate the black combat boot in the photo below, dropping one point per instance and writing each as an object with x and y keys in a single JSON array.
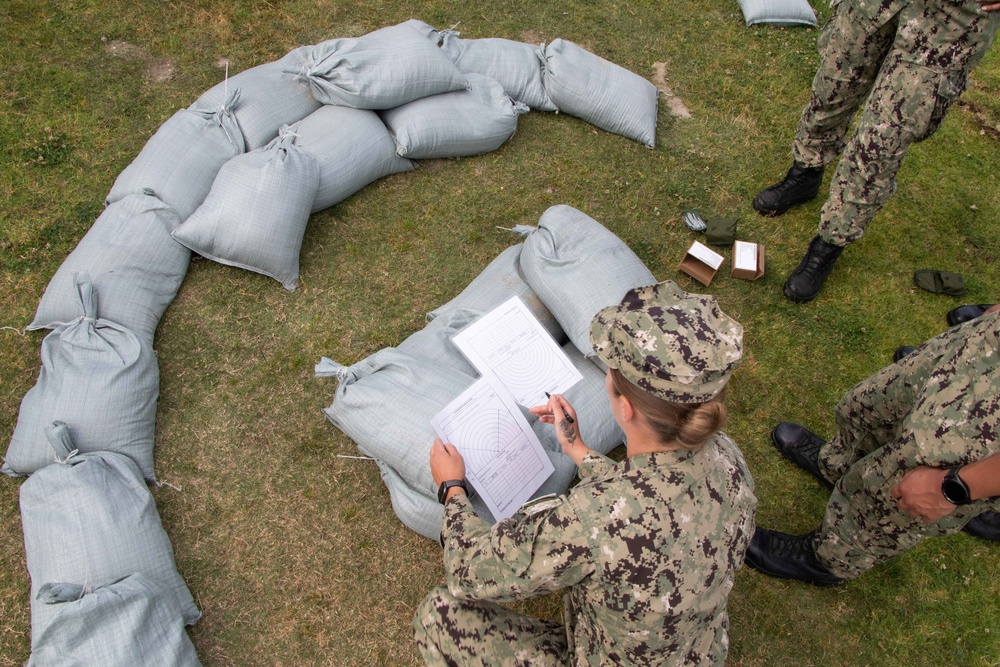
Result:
[
  {"x": 808, "y": 277},
  {"x": 800, "y": 185},
  {"x": 903, "y": 351},
  {"x": 800, "y": 446},
  {"x": 985, "y": 526},
  {"x": 788, "y": 557}
]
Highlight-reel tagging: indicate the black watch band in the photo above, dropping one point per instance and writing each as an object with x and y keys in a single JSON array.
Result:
[
  {"x": 447, "y": 484},
  {"x": 954, "y": 489}
]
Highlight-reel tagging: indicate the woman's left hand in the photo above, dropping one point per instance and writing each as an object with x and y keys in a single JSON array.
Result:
[{"x": 446, "y": 463}]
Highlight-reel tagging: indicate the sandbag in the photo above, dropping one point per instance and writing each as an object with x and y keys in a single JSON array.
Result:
[
  {"x": 134, "y": 265},
  {"x": 269, "y": 98},
  {"x": 577, "y": 267},
  {"x": 516, "y": 65},
  {"x": 99, "y": 378},
  {"x": 602, "y": 93},
  {"x": 794, "y": 12},
  {"x": 471, "y": 121},
  {"x": 256, "y": 214},
  {"x": 425, "y": 29},
  {"x": 352, "y": 147},
  {"x": 385, "y": 402},
  {"x": 499, "y": 281},
  {"x": 133, "y": 621},
  {"x": 381, "y": 70},
  {"x": 181, "y": 160},
  {"x": 90, "y": 519}
]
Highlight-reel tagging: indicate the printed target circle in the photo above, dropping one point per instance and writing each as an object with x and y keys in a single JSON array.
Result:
[
  {"x": 483, "y": 440},
  {"x": 521, "y": 370}
]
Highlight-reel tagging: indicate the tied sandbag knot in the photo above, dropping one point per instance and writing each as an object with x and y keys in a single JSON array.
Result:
[
  {"x": 330, "y": 368},
  {"x": 61, "y": 442},
  {"x": 521, "y": 108},
  {"x": 61, "y": 591},
  {"x": 522, "y": 230}
]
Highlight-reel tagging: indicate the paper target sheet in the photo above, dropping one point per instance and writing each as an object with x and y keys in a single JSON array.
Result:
[
  {"x": 510, "y": 344},
  {"x": 504, "y": 461}
]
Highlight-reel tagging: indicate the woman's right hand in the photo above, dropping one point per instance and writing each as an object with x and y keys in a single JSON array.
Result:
[{"x": 567, "y": 431}]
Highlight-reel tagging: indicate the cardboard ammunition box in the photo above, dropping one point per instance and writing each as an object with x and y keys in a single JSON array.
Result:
[
  {"x": 748, "y": 260},
  {"x": 701, "y": 263}
]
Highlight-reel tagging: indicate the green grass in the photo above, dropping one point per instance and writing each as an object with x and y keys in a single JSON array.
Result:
[{"x": 294, "y": 554}]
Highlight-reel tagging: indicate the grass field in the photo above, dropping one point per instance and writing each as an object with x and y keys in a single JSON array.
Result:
[{"x": 293, "y": 554}]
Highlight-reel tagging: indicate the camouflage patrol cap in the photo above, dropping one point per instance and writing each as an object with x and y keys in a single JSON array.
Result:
[{"x": 680, "y": 347}]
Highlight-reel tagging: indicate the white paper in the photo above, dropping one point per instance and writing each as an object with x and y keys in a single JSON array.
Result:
[
  {"x": 510, "y": 344},
  {"x": 706, "y": 255},
  {"x": 504, "y": 460},
  {"x": 745, "y": 256}
]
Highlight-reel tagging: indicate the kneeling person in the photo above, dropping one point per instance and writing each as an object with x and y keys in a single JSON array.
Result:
[{"x": 647, "y": 548}]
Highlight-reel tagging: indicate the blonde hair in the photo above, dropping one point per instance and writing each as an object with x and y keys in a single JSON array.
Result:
[{"x": 690, "y": 425}]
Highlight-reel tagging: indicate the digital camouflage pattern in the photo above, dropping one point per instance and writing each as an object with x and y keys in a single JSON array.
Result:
[
  {"x": 647, "y": 548},
  {"x": 680, "y": 347},
  {"x": 939, "y": 406},
  {"x": 914, "y": 58}
]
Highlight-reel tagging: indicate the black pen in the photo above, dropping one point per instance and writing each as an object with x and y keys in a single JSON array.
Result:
[{"x": 565, "y": 414}]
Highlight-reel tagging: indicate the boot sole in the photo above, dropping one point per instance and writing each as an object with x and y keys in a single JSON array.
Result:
[{"x": 796, "y": 298}]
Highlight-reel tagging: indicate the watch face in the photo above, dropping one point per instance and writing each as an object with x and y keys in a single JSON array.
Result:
[{"x": 954, "y": 489}]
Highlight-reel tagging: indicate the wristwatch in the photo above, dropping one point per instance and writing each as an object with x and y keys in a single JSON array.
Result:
[
  {"x": 954, "y": 489},
  {"x": 447, "y": 484}
]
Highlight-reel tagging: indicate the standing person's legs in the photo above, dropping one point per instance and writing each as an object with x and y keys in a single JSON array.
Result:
[
  {"x": 906, "y": 106},
  {"x": 852, "y": 50},
  {"x": 471, "y": 633}
]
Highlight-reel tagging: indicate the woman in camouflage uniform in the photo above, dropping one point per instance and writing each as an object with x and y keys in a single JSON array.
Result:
[{"x": 646, "y": 549}]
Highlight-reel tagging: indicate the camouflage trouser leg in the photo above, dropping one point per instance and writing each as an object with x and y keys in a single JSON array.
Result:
[
  {"x": 470, "y": 633},
  {"x": 852, "y": 51},
  {"x": 906, "y": 105},
  {"x": 874, "y": 447}
]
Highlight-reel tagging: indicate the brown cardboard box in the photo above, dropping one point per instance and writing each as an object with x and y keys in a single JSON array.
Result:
[
  {"x": 701, "y": 263},
  {"x": 748, "y": 260}
]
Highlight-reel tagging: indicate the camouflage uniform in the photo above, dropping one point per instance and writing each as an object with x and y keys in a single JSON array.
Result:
[
  {"x": 647, "y": 547},
  {"x": 938, "y": 407},
  {"x": 914, "y": 58}
]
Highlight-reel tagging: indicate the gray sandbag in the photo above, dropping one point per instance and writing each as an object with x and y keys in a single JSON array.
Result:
[
  {"x": 425, "y": 29},
  {"x": 600, "y": 92},
  {"x": 352, "y": 147},
  {"x": 781, "y": 12},
  {"x": 498, "y": 282},
  {"x": 577, "y": 267},
  {"x": 134, "y": 265},
  {"x": 98, "y": 377},
  {"x": 516, "y": 65},
  {"x": 90, "y": 519},
  {"x": 256, "y": 214},
  {"x": 385, "y": 403},
  {"x": 133, "y": 621},
  {"x": 269, "y": 98},
  {"x": 381, "y": 70},
  {"x": 180, "y": 161},
  {"x": 471, "y": 121}
]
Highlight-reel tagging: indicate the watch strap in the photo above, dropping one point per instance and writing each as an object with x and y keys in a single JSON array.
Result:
[{"x": 447, "y": 484}]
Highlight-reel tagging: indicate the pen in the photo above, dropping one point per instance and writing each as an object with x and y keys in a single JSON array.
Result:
[{"x": 565, "y": 414}]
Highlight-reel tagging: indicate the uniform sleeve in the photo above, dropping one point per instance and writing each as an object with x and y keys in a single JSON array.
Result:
[
  {"x": 515, "y": 559},
  {"x": 594, "y": 465}
]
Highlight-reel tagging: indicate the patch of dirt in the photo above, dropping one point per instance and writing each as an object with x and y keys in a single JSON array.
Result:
[
  {"x": 674, "y": 103},
  {"x": 222, "y": 63},
  {"x": 532, "y": 37},
  {"x": 158, "y": 70},
  {"x": 122, "y": 49}
]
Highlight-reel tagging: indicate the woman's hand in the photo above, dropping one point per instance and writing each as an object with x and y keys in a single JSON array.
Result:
[
  {"x": 446, "y": 463},
  {"x": 567, "y": 430}
]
